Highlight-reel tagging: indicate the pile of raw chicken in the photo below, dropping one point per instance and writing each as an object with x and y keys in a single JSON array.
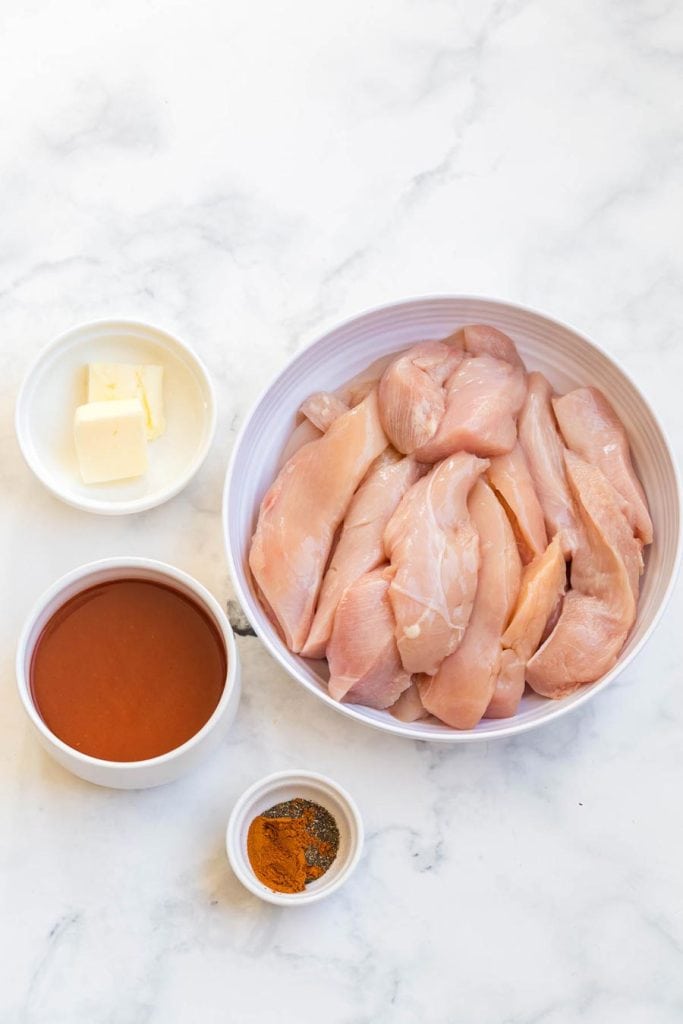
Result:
[{"x": 445, "y": 530}]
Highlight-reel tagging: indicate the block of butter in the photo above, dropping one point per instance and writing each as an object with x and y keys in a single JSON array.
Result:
[
  {"x": 110, "y": 440},
  {"x": 112, "y": 381}
]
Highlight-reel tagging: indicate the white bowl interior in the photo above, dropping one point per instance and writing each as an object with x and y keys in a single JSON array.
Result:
[
  {"x": 287, "y": 786},
  {"x": 568, "y": 359},
  {"x": 90, "y": 576},
  {"x": 56, "y": 384}
]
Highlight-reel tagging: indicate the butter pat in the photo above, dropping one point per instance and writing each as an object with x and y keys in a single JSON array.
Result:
[
  {"x": 110, "y": 440},
  {"x": 114, "y": 381}
]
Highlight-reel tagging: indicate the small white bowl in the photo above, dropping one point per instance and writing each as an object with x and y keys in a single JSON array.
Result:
[
  {"x": 153, "y": 771},
  {"x": 569, "y": 360},
  {"x": 56, "y": 383},
  {"x": 288, "y": 785}
]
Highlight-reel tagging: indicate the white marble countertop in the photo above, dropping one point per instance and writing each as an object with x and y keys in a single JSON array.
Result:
[{"x": 247, "y": 174}]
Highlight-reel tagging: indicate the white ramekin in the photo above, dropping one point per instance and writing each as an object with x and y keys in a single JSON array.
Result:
[
  {"x": 155, "y": 770},
  {"x": 54, "y": 385},
  {"x": 287, "y": 785}
]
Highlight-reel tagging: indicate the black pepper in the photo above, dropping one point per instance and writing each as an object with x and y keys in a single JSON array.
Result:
[{"x": 321, "y": 826}]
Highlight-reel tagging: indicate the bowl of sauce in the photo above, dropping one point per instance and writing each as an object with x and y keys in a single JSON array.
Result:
[{"x": 129, "y": 672}]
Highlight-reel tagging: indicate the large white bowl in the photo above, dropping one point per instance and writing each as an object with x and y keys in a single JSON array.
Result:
[{"x": 567, "y": 358}]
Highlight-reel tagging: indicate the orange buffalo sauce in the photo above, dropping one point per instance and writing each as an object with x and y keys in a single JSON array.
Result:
[{"x": 127, "y": 670}]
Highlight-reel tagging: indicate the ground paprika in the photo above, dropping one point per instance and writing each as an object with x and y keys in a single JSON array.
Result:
[{"x": 291, "y": 844}]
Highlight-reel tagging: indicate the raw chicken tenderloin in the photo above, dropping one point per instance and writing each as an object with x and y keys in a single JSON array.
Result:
[
  {"x": 360, "y": 386},
  {"x": 599, "y": 611},
  {"x": 509, "y": 688},
  {"x": 541, "y": 443},
  {"x": 434, "y": 550},
  {"x": 595, "y": 493},
  {"x": 365, "y": 667},
  {"x": 481, "y": 339},
  {"x": 483, "y": 397},
  {"x": 301, "y": 512},
  {"x": 542, "y": 587},
  {"x": 409, "y": 707},
  {"x": 543, "y": 584},
  {"x": 592, "y": 429},
  {"x": 510, "y": 477},
  {"x": 361, "y": 544},
  {"x": 322, "y": 408},
  {"x": 411, "y": 395},
  {"x": 303, "y": 433},
  {"x": 460, "y": 692},
  {"x": 319, "y": 412}
]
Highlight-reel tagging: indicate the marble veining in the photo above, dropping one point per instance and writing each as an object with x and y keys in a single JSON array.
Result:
[{"x": 247, "y": 175}]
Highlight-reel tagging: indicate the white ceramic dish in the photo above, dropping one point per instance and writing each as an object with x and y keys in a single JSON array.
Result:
[
  {"x": 569, "y": 360},
  {"x": 287, "y": 785},
  {"x": 155, "y": 770},
  {"x": 56, "y": 383}
]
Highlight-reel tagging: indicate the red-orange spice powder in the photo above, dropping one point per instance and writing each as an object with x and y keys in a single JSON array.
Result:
[{"x": 292, "y": 844}]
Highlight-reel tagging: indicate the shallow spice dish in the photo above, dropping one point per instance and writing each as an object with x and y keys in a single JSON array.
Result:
[{"x": 278, "y": 788}]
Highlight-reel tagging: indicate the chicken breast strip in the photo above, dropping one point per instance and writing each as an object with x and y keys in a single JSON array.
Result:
[
  {"x": 434, "y": 550},
  {"x": 461, "y": 690},
  {"x": 365, "y": 667},
  {"x": 361, "y": 545},
  {"x": 482, "y": 339},
  {"x": 482, "y": 400},
  {"x": 319, "y": 412},
  {"x": 301, "y": 512},
  {"x": 543, "y": 584},
  {"x": 592, "y": 429},
  {"x": 599, "y": 611},
  {"x": 409, "y": 707},
  {"x": 542, "y": 445},
  {"x": 322, "y": 408},
  {"x": 411, "y": 394},
  {"x": 509, "y": 687},
  {"x": 511, "y": 479}
]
